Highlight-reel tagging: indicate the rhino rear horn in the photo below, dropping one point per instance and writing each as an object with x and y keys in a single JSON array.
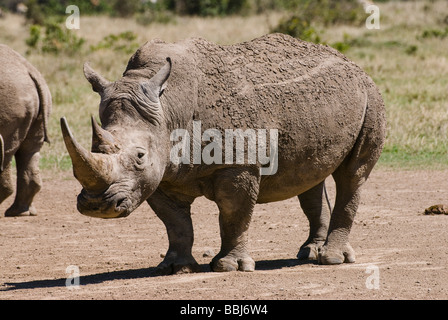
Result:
[
  {"x": 102, "y": 140},
  {"x": 98, "y": 82}
]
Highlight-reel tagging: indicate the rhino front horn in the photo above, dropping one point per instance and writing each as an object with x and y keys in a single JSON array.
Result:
[{"x": 92, "y": 170}]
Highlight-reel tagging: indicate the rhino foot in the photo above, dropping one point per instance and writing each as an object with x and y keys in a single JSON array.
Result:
[
  {"x": 310, "y": 251},
  {"x": 232, "y": 263},
  {"x": 177, "y": 265},
  {"x": 336, "y": 255},
  {"x": 20, "y": 211}
]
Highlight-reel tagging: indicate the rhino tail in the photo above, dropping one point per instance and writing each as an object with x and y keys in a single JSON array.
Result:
[
  {"x": 327, "y": 198},
  {"x": 2, "y": 153},
  {"x": 45, "y": 102}
]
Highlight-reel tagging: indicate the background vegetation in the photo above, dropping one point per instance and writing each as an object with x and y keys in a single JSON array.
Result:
[{"x": 407, "y": 57}]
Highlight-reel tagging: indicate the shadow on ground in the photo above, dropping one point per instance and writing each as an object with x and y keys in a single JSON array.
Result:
[{"x": 135, "y": 274}]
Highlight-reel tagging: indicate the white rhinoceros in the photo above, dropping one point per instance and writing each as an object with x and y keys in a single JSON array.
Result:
[
  {"x": 325, "y": 113},
  {"x": 25, "y": 105}
]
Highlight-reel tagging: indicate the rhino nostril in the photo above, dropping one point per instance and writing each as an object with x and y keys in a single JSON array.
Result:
[{"x": 120, "y": 202}]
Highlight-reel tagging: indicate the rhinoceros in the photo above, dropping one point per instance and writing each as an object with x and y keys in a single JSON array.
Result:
[
  {"x": 25, "y": 106},
  {"x": 328, "y": 114}
]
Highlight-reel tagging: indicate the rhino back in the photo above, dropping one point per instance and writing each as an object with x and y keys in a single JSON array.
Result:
[
  {"x": 259, "y": 83},
  {"x": 276, "y": 81},
  {"x": 24, "y": 99}
]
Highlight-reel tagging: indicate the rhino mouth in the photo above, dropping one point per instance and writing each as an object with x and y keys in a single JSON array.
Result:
[{"x": 103, "y": 206}]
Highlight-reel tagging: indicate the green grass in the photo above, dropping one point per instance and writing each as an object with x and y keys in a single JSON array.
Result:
[
  {"x": 411, "y": 72},
  {"x": 407, "y": 58},
  {"x": 52, "y": 162},
  {"x": 396, "y": 157}
]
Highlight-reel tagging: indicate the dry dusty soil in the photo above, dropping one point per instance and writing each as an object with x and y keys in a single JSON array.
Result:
[{"x": 401, "y": 253}]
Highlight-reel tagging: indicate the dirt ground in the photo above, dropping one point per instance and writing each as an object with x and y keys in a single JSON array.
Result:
[{"x": 401, "y": 253}]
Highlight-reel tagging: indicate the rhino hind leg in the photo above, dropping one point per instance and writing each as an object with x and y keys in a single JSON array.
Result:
[
  {"x": 349, "y": 178},
  {"x": 6, "y": 184},
  {"x": 337, "y": 248},
  {"x": 236, "y": 191},
  {"x": 29, "y": 181},
  {"x": 314, "y": 204},
  {"x": 176, "y": 216}
]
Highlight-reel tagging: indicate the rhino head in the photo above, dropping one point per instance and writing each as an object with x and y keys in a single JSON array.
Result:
[{"x": 127, "y": 159}]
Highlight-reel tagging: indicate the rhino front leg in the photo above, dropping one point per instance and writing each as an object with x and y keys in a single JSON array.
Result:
[
  {"x": 29, "y": 183},
  {"x": 236, "y": 191},
  {"x": 176, "y": 216},
  {"x": 314, "y": 205}
]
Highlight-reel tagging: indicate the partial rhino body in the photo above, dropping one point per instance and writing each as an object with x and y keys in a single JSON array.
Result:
[
  {"x": 329, "y": 116},
  {"x": 25, "y": 105}
]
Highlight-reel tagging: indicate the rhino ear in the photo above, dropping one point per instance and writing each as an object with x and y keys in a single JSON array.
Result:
[
  {"x": 99, "y": 84},
  {"x": 157, "y": 83},
  {"x": 149, "y": 104}
]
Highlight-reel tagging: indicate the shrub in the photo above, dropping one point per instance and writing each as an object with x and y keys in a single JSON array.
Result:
[
  {"x": 308, "y": 13},
  {"x": 126, "y": 8},
  {"x": 124, "y": 42},
  {"x": 434, "y": 33},
  {"x": 207, "y": 7},
  {"x": 298, "y": 27},
  {"x": 59, "y": 39},
  {"x": 341, "y": 46},
  {"x": 155, "y": 12},
  {"x": 56, "y": 40},
  {"x": 33, "y": 40},
  {"x": 324, "y": 11},
  {"x": 411, "y": 49},
  {"x": 34, "y": 14}
]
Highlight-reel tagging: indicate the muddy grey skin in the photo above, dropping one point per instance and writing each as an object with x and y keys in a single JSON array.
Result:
[
  {"x": 25, "y": 105},
  {"x": 329, "y": 115}
]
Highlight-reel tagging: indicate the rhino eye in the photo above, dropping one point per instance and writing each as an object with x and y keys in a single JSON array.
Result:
[
  {"x": 139, "y": 161},
  {"x": 140, "y": 152}
]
